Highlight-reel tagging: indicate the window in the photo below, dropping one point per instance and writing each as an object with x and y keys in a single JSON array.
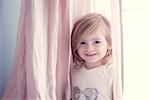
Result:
[{"x": 135, "y": 15}]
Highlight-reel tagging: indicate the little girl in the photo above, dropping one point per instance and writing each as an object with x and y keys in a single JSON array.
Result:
[{"x": 91, "y": 75}]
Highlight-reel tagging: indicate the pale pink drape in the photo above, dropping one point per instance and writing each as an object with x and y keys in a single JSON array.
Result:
[{"x": 42, "y": 57}]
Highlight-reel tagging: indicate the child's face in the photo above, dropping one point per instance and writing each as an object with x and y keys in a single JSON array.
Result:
[{"x": 93, "y": 48}]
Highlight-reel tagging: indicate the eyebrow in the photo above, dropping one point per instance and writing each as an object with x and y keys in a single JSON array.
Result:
[
  {"x": 93, "y": 39},
  {"x": 96, "y": 39}
]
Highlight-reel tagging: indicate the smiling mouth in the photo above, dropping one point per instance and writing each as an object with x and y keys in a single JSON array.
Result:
[{"x": 90, "y": 55}]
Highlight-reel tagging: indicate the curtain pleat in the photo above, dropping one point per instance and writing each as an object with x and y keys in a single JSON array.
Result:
[
  {"x": 43, "y": 53},
  {"x": 63, "y": 51},
  {"x": 52, "y": 13},
  {"x": 117, "y": 49}
]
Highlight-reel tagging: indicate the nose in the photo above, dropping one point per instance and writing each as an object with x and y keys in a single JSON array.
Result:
[{"x": 89, "y": 47}]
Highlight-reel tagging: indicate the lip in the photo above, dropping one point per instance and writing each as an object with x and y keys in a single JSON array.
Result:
[{"x": 90, "y": 55}]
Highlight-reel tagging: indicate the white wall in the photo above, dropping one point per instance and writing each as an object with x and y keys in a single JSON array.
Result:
[
  {"x": 9, "y": 14},
  {"x": 136, "y": 30}
]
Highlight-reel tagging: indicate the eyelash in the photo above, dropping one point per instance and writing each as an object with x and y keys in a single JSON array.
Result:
[
  {"x": 97, "y": 42},
  {"x": 83, "y": 43}
]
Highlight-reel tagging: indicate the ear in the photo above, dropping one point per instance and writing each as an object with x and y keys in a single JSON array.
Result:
[{"x": 109, "y": 47}]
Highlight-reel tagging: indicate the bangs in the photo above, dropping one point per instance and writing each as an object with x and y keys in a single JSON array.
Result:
[{"x": 89, "y": 30}]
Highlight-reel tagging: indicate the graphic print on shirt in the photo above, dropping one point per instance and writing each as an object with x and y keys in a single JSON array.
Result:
[{"x": 89, "y": 93}]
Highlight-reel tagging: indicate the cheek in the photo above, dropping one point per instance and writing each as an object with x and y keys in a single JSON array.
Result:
[
  {"x": 81, "y": 51},
  {"x": 102, "y": 50}
]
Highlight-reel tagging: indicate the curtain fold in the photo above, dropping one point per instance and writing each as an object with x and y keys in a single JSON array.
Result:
[
  {"x": 43, "y": 52},
  {"x": 117, "y": 44},
  {"x": 53, "y": 17}
]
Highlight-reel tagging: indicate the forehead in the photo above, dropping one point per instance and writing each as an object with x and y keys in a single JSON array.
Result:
[{"x": 98, "y": 34}]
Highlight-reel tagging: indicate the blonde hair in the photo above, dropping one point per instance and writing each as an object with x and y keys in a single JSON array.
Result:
[{"x": 86, "y": 25}]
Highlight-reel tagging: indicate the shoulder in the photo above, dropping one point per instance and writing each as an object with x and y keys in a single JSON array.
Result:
[
  {"x": 109, "y": 70},
  {"x": 76, "y": 71}
]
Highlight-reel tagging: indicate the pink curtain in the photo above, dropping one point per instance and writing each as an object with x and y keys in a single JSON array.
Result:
[
  {"x": 43, "y": 54},
  {"x": 42, "y": 58}
]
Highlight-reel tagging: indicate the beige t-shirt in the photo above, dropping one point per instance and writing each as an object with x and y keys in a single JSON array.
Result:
[{"x": 92, "y": 84}]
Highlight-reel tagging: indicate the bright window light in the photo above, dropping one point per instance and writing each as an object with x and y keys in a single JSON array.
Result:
[{"x": 136, "y": 14}]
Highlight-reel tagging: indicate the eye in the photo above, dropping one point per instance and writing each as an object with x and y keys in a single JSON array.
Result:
[
  {"x": 82, "y": 43},
  {"x": 97, "y": 42}
]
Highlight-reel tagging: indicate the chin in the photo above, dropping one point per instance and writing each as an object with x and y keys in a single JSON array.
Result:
[{"x": 94, "y": 61}]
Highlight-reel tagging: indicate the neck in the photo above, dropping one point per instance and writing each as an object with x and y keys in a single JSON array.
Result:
[{"x": 92, "y": 65}]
